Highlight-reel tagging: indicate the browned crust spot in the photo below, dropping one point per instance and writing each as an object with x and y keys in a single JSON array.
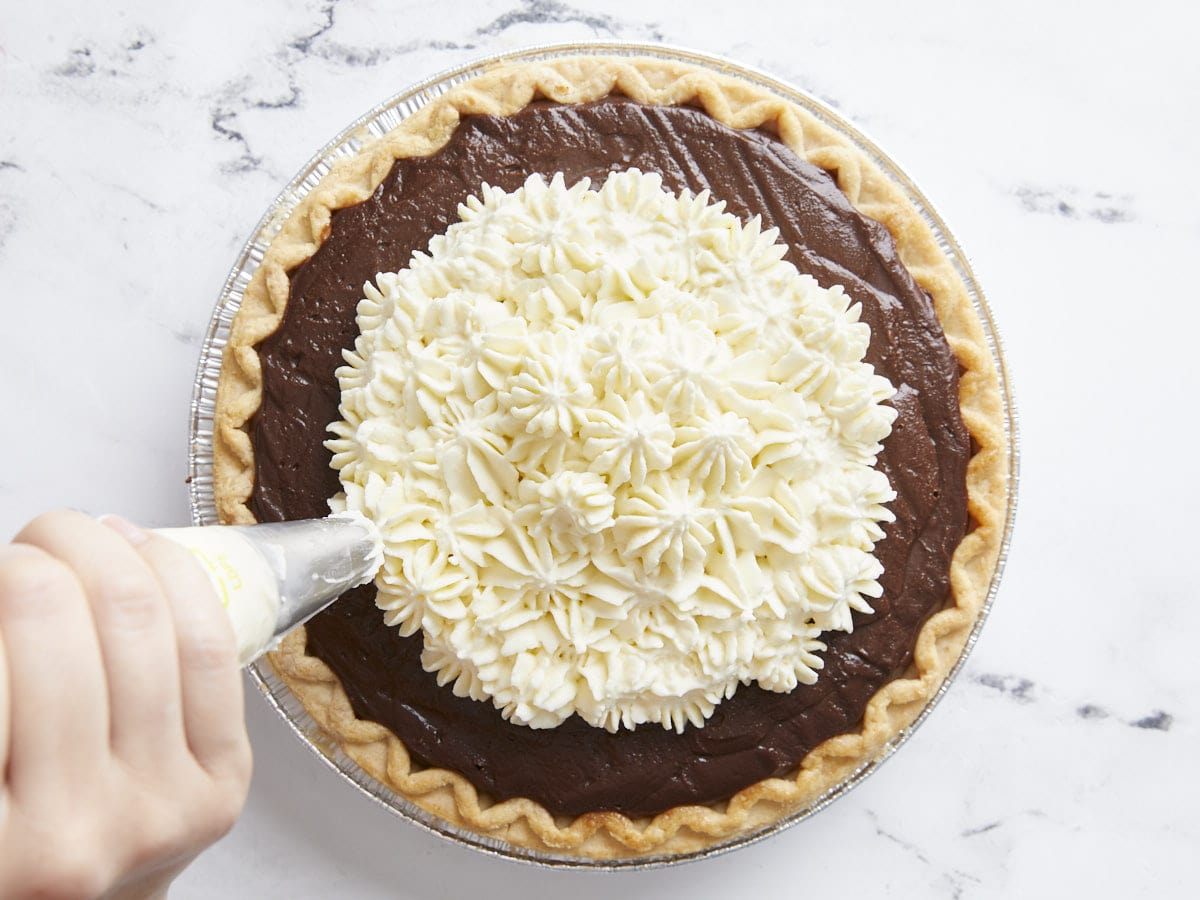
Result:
[{"x": 502, "y": 91}]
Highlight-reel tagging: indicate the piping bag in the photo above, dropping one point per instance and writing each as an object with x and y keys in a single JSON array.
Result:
[{"x": 275, "y": 576}]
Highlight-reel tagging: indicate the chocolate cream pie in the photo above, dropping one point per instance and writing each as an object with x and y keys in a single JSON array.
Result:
[{"x": 553, "y": 508}]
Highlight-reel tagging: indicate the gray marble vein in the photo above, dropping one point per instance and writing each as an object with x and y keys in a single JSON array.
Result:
[{"x": 143, "y": 141}]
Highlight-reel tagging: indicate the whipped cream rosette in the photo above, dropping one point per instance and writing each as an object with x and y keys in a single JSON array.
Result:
[{"x": 621, "y": 454}]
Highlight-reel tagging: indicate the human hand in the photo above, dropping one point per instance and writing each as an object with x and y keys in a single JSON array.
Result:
[{"x": 122, "y": 740}]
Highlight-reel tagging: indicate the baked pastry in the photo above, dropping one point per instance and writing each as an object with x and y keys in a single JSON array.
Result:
[{"x": 577, "y": 788}]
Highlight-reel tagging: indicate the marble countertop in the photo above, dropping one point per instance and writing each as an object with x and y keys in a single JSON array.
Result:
[{"x": 141, "y": 144}]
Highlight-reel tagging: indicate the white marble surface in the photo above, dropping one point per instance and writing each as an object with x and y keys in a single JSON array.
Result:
[{"x": 141, "y": 142}]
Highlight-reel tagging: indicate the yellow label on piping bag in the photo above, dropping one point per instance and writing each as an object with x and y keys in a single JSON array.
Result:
[{"x": 242, "y": 580}]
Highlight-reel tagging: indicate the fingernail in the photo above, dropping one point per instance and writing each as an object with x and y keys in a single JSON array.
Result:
[{"x": 125, "y": 528}]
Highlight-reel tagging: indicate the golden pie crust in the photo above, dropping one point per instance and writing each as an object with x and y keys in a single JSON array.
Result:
[{"x": 503, "y": 90}]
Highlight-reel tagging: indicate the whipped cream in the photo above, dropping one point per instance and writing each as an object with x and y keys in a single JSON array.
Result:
[{"x": 621, "y": 454}]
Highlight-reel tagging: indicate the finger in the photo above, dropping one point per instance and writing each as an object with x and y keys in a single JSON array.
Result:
[
  {"x": 133, "y": 626},
  {"x": 57, "y": 707},
  {"x": 4, "y": 710},
  {"x": 210, "y": 677}
]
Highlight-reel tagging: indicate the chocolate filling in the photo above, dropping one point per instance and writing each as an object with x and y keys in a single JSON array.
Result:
[{"x": 576, "y": 768}]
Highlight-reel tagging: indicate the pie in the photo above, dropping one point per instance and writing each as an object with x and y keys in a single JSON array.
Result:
[{"x": 719, "y": 769}]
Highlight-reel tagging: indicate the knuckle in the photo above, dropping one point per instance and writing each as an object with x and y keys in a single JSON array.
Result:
[
  {"x": 162, "y": 828},
  {"x": 241, "y": 768},
  {"x": 231, "y": 766},
  {"x": 208, "y": 649},
  {"x": 51, "y": 523},
  {"x": 224, "y": 808},
  {"x": 32, "y": 580},
  {"x": 72, "y": 875},
  {"x": 184, "y": 825},
  {"x": 132, "y": 599},
  {"x": 160, "y": 837}
]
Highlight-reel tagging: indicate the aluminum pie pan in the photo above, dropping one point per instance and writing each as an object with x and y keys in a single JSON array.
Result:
[{"x": 378, "y": 121}]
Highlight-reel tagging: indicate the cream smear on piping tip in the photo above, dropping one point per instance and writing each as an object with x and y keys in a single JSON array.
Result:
[{"x": 275, "y": 576}]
